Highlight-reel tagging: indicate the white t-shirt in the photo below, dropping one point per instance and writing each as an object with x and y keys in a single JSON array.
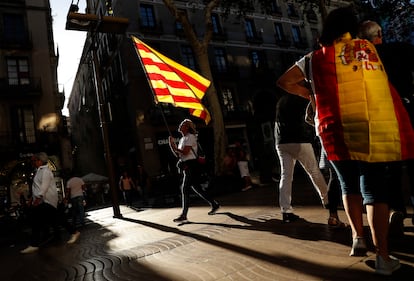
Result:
[
  {"x": 301, "y": 63},
  {"x": 75, "y": 185},
  {"x": 188, "y": 140}
]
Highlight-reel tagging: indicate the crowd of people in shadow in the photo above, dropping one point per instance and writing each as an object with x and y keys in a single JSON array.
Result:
[{"x": 354, "y": 153}]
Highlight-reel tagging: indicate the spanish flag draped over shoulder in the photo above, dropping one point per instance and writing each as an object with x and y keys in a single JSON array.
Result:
[
  {"x": 360, "y": 116},
  {"x": 172, "y": 82}
]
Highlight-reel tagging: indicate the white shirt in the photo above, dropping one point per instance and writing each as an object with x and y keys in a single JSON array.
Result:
[
  {"x": 188, "y": 140},
  {"x": 75, "y": 185},
  {"x": 44, "y": 185}
]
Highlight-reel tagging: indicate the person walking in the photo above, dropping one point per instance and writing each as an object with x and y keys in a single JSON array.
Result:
[
  {"x": 398, "y": 60},
  {"x": 334, "y": 190},
  {"x": 186, "y": 151},
  {"x": 362, "y": 125},
  {"x": 126, "y": 185},
  {"x": 243, "y": 166},
  {"x": 74, "y": 192},
  {"x": 293, "y": 138},
  {"x": 43, "y": 204}
]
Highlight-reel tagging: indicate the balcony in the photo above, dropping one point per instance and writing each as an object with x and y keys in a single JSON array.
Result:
[{"x": 32, "y": 89}]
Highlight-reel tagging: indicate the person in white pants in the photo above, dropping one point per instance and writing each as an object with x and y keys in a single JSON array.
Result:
[{"x": 293, "y": 138}]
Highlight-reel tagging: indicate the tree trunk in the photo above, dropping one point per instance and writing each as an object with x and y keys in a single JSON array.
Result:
[
  {"x": 200, "y": 49},
  {"x": 220, "y": 138}
]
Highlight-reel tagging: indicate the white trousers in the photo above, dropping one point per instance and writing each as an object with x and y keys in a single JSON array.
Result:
[
  {"x": 243, "y": 168},
  {"x": 288, "y": 154}
]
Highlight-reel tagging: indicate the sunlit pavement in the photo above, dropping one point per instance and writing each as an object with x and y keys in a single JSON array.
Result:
[{"x": 245, "y": 240}]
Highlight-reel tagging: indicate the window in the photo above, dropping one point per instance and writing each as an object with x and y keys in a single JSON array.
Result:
[
  {"x": 279, "y": 34},
  {"x": 228, "y": 101},
  {"x": 188, "y": 57},
  {"x": 14, "y": 30},
  {"x": 147, "y": 16},
  {"x": 220, "y": 59},
  {"x": 250, "y": 28},
  {"x": 18, "y": 71},
  {"x": 296, "y": 34},
  {"x": 216, "y": 24},
  {"x": 23, "y": 125}
]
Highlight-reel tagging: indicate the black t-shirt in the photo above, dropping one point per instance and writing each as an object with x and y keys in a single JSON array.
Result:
[{"x": 290, "y": 125}]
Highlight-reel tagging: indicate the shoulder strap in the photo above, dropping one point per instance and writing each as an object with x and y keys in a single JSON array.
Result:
[
  {"x": 199, "y": 149},
  {"x": 307, "y": 75},
  {"x": 195, "y": 154}
]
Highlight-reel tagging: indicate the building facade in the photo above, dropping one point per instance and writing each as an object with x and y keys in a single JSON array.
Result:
[
  {"x": 246, "y": 55},
  {"x": 31, "y": 104}
]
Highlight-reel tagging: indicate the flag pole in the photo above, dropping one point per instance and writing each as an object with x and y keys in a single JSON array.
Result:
[{"x": 152, "y": 90}]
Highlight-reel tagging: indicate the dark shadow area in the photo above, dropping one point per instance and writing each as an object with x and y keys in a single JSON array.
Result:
[{"x": 89, "y": 259}]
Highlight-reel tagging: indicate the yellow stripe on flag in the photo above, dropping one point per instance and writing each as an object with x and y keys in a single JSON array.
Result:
[{"x": 172, "y": 82}]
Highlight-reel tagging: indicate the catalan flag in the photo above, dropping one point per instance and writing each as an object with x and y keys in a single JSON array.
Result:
[{"x": 172, "y": 82}]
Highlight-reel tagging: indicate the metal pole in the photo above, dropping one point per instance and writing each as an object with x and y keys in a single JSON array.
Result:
[{"x": 104, "y": 129}]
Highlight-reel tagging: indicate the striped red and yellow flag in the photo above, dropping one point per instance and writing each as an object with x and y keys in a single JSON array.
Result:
[{"x": 172, "y": 82}]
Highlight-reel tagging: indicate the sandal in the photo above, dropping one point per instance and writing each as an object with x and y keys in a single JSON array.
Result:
[{"x": 336, "y": 223}]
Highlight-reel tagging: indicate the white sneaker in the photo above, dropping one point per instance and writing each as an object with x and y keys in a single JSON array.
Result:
[
  {"x": 74, "y": 237},
  {"x": 386, "y": 267},
  {"x": 359, "y": 247},
  {"x": 29, "y": 250}
]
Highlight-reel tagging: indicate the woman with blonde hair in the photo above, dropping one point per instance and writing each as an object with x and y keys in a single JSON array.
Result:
[{"x": 187, "y": 151}]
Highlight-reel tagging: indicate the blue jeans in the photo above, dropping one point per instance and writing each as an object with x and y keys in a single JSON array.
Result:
[
  {"x": 78, "y": 211},
  {"x": 368, "y": 179}
]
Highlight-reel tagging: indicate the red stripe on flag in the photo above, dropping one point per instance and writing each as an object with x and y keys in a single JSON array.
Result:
[
  {"x": 174, "y": 84},
  {"x": 184, "y": 92},
  {"x": 190, "y": 80}
]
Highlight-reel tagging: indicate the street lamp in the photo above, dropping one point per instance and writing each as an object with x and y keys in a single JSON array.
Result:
[{"x": 96, "y": 24}]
